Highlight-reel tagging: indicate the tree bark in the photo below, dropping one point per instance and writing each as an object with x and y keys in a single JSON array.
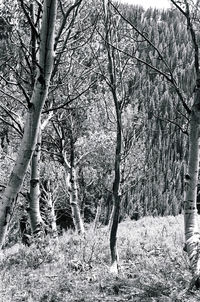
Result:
[
  {"x": 51, "y": 208},
  {"x": 70, "y": 177},
  {"x": 40, "y": 91},
  {"x": 71, "y": 184},
  {"x": 116, "y": 182},
  {"x": 34, "y": 211},
  {"x": 192, "y": 235},
  {"x": 98, "y": 213},
  {"x": 117, "y": 196},
  {"x": 73, "y": 192}
]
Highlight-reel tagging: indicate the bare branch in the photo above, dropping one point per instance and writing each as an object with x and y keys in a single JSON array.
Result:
[
  {"x": 66, "y": 15},
  {"x": 29, "y": 18},
  {"x": 12, "y": 125},
  {"x": 12, "y": 97},
  {"x": 69, "y": 99},
  {"x": 172, "y": 122}
]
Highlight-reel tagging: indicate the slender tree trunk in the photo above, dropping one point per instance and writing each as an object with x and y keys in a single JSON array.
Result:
[
  {"x": 74, "y": 202},
  {"x": 52, "y": 216},
  {"x": 70, "y": 177},
  {"x": 98, "y": 213},
  {"x": 34, "y": 211},
  {"x": 111, "y": 217},
  {"x": 117, "y": 104},
  {"x": 192, "y": 235},
  {"x": 51, "y": 208},
  {"x": 40, "y": 91},
  {"x": 117, "y": 198},
  {"x": 71, "y": 184},
  {"x": 73, "y": 191}
]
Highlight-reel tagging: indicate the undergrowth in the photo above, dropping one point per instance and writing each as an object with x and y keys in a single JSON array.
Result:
[{"x": 152, "y": 266}]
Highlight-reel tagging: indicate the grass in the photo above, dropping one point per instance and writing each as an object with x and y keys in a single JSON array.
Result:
[{"x": 153, "y": 266}]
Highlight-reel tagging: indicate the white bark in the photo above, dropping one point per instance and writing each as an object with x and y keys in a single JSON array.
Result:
[
  {"x": 192, "y": 235},
  {"x": 71, "y": 184},
  {"x": 40, "y": 91},
  {"x": 51, "y": 208},
  {"x": 34, "y": 211},
  {"x": 98, "y": 213}
]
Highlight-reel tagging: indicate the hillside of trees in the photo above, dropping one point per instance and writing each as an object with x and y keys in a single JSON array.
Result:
[{"x": 96, "y": 99}]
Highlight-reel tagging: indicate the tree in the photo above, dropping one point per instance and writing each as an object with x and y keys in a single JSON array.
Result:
[
  {"x": 39, "y": 95},
  {"x": 65, "y": 132},
  {"x": 25, "y": 72},
  {"x": 117, "y": 81},
  {"x": 192, "y": 234}
]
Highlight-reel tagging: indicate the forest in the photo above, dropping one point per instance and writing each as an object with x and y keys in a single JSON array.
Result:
[{"x": 99, "y": 146}]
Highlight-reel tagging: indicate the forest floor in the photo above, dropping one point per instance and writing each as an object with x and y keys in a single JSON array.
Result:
[{"x": 153, "y": 266}]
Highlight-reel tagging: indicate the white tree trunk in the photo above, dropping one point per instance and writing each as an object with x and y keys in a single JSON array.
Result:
[
  {"x": 71, "y": 184},
  {"x": 192, "y": 235},
  {"x": 51, "y": 208},
  {"x": 40, "y": 91},
  {"x": 98, "y": 213},
  {"x": 34, "y": 211}
]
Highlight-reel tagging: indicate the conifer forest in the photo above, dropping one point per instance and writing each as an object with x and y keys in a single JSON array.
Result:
[{"x": 99, "y": 151}]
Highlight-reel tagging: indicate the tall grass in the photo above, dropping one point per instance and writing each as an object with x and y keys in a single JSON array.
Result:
[{"x": 153, "y": 266}]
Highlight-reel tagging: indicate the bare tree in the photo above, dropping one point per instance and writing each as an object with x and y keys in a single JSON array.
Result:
[
  {"x": 66, "y": 137},
  {"x": 118, "y": 147},
  {"x": 39, "y": 95}
]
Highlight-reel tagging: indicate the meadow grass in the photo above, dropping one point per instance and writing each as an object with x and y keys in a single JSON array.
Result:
[{"x": 152, "y": 266}]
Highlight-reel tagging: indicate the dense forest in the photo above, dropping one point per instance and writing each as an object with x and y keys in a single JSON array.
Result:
[{"x": 95, "y": 114}]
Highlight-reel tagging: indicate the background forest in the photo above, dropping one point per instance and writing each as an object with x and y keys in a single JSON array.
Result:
[{"x": 99, "y": 55}]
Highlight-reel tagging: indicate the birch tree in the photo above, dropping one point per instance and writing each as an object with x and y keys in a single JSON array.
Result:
[
  {"x": 39, "y": 95},
  {"x": 65, "y": 133},
  {"x": 192, "y": 234}
]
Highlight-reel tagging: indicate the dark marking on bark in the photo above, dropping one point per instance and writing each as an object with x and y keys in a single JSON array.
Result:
[
  {"x": 187, "y": 177},
  {"x": 197, "y": 283},
  {"x": 34, "y": 182},
  {"x": 30, "y": 105},
  {"x": 7, "y": 214},
  {"x": 41, "y": 80}
]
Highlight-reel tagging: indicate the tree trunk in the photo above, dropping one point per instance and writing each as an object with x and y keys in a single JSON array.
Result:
[
  {"x": 73, "y": 192},
  {"x": 117, "y": 104},
  {"x": 40, "y": 91},
  {"x": 117, "y": 198},
  {"x": 111, "y": 217},
  {"x": 192, "y": 235},
  {"x": 34, "y": 198},
  {"x": 51, "y": 208},
  {"x": 71, "y": 184},
  {"x": 98, "y": 213}
]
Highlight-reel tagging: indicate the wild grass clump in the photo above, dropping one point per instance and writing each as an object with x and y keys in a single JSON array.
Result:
[{"x": 152, "y": 266}]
